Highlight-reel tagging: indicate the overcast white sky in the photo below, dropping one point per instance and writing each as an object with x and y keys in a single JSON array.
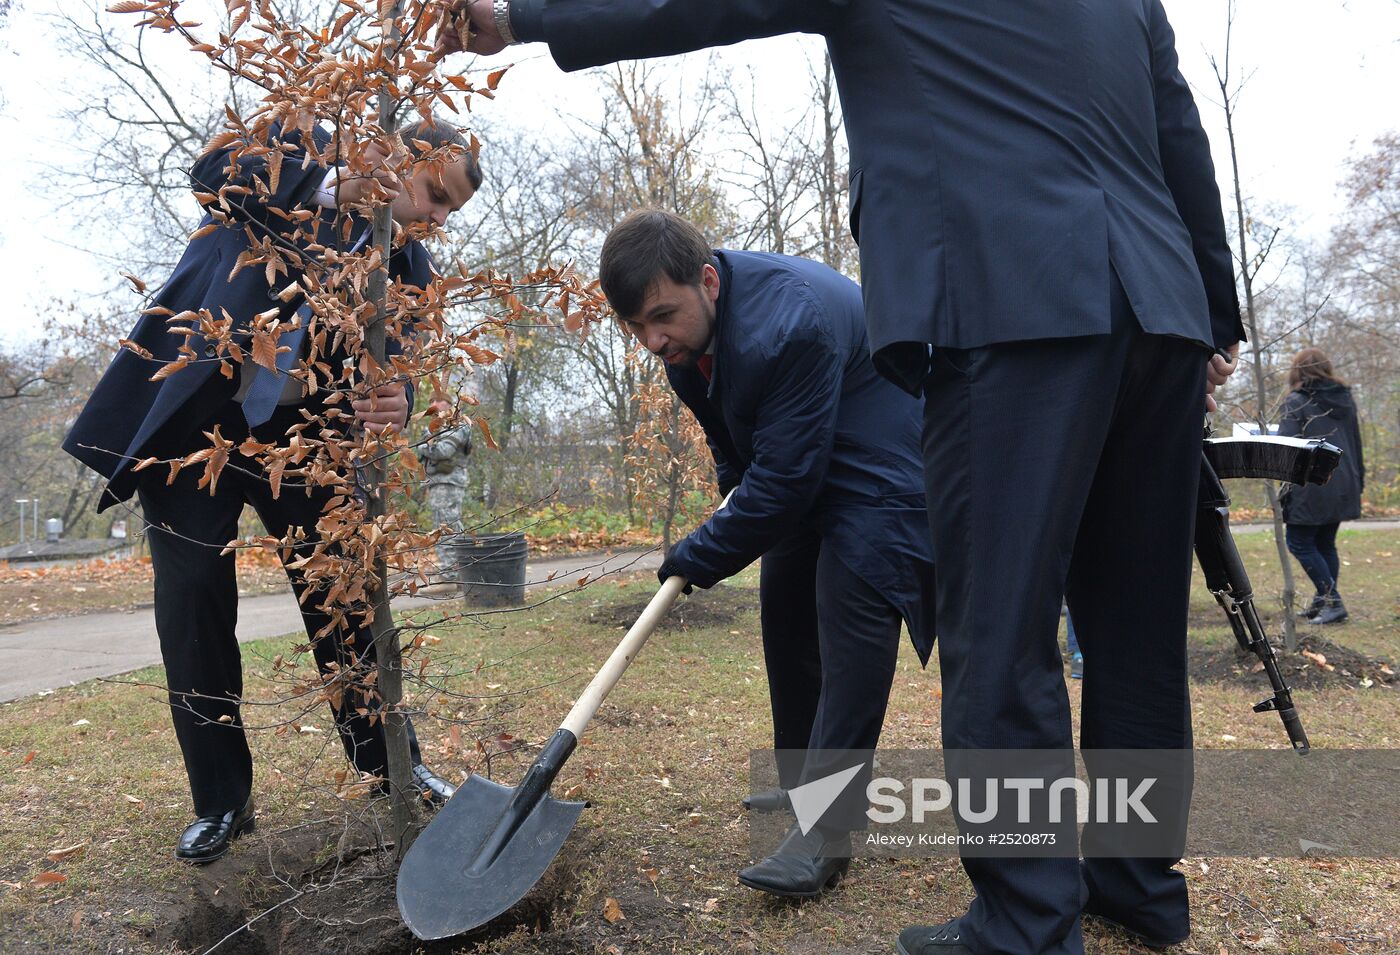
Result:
[{"x": 1324, "y": 76}]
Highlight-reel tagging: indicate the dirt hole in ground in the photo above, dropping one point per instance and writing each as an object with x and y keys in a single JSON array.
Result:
[
  {"x": 715, "y": 607},
  {"x": 270, "y": 897},
  {"x": 1317, "y": 664}
]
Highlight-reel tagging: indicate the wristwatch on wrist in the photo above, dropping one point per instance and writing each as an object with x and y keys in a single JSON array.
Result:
[{"x": 501, "y": 10}]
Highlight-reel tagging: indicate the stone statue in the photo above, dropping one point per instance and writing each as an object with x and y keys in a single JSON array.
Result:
[{"x": 445, "y": 477}]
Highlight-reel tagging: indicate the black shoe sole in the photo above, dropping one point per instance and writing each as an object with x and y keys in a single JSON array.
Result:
[
  {"x": 250, "y": 826},
  {"x": 830, "y": 883}
]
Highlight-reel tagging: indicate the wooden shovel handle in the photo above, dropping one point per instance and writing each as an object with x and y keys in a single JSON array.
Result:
[
  {"x": 602, "y": 684},
  {"x": 636, "y": 638}
]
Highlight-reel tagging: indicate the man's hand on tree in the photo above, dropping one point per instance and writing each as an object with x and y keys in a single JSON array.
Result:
[
  {"x": 1217, "y": 371},
  {"x": 386, "y": 407},
  {"x": 457, "y": 15},
  {"x": 377, "y": 181}
]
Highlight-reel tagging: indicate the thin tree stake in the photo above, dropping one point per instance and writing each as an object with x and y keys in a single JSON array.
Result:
[{"x": 386, "y": 645}]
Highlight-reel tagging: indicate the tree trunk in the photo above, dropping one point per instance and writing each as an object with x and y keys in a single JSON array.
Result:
[
  {"x": 77, "y": 501},
  {"x": 386, "y": 638},
  {"x": 1261, "y": 389},
  {"x": 674, "y": 472},
  {"x": 829, "y": 188},
  {"x": 508, "y": 405}
]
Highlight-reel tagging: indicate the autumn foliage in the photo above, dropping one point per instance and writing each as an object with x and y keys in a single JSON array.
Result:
[
  {"x": 330, "y": 77},
  {"x": 673, "y": 472}
]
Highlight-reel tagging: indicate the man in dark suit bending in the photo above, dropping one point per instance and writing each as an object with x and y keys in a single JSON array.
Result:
[{"x": 822, "y": 456}]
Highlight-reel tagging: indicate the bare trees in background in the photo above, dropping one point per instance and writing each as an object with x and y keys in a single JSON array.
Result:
[
  {"x": 1342, "y": 295},
  {"x": 582, "y": 416},
  {"x": 128, "y": 171},
  {"x": 651, "y": 151},
  {"x": 43, "y": 385},
  {"x": 1249, "y": 261},
  {"x": 1364, "y": 336},
  {"x": 793, "y": 182},
  {"x": 140, "y": 120}
]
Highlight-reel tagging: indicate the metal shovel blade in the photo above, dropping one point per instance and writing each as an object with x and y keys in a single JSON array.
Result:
[
  {"x": 491, "y": 843},
  {"x": 479, "y": 856}
]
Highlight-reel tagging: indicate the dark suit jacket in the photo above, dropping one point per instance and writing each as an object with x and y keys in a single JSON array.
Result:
[
  {"x": 127, "y": 413},
  {"x": 1003, "y": 155},
  {"x": 809, "y": 434}
]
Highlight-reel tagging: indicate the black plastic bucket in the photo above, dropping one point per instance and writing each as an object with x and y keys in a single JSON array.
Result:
[{"x": 492, "y": 569}]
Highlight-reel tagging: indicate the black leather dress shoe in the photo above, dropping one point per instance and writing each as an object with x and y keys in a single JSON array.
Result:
[
  {"x": 942, "y": 939},
  {"x": 208, "y": 837},
  {"x": 802, "y": 866},
  {"x": 430, "y": 786},
  {"x": 768, "y": 800}
]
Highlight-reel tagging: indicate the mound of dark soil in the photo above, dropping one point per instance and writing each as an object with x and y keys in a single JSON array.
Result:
[
  {"x": 715, "y": 607},
  {"x": 346, "y": 904},
  {"x": 1318, "y": 664},
  {"x": 315, "y": 893}
]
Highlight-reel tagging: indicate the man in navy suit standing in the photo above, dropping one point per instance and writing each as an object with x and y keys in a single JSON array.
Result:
[
  {"x": 1043, "y": 256},
  {"x": 130, "y": 417},
  {"x": 822, "y": 455}
]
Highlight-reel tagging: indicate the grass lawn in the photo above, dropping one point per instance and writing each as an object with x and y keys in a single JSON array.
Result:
[{"x": 93, "y": 794}]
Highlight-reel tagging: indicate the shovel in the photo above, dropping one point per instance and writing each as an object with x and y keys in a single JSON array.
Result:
[{"x": 491, "y": 843}]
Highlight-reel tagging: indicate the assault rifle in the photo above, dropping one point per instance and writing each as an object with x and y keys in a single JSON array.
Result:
[{"x": 1294, "y": 460}]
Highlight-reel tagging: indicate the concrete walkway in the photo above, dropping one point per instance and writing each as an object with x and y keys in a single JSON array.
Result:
[
  {"x": 1366, "y": 525},
  {"x": 50, "y": 653},
  {"x": 45, "y": 654}
]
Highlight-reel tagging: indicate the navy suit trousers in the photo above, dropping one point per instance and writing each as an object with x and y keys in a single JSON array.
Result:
[
  {"x": 196, "y": 609},
  {"x": 830, "y": 642},
  {"x": 1066, "y": 466}
]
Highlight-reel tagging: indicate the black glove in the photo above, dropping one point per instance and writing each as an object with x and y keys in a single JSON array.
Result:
[{"x": 670, "y": 567}]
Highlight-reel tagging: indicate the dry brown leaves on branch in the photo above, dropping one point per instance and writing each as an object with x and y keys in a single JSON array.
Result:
[{"x": 668, "y": 452}]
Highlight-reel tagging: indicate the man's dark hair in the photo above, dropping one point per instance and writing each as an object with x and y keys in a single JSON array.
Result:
[
  {"x": 438, "y": 134},
  {"x": 643, "y": 247}
]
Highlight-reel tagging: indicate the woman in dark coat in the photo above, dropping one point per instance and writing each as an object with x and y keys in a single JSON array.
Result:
[{"x": 1320, "y": 406}]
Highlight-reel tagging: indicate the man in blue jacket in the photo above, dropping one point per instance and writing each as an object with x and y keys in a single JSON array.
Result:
[
  {"x": 1043, "y": 258},
  {"x": 822, "y": 454},
  {"x": 130, "y": 417}
]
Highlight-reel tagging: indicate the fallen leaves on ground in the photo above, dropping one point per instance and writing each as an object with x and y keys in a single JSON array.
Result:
[
  {"x": 58, "y": 855},
  {"x": 28, "y": 592}
]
